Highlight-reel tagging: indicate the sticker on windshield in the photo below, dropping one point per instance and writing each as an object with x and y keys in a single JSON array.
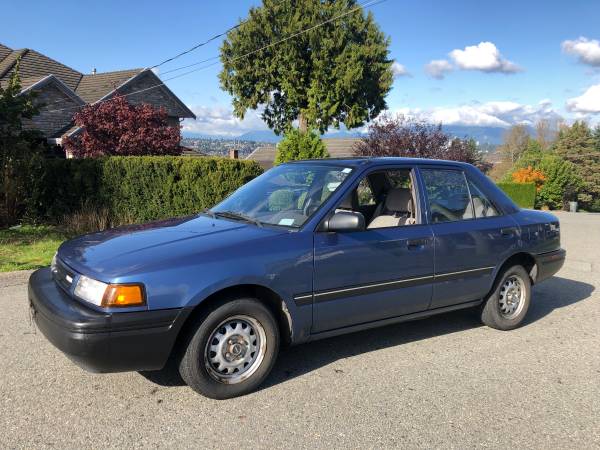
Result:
[
  {"x": 286, "y": 222},
  {"x": 347, "y": 170},
  {"x": 333, "y": 185}
]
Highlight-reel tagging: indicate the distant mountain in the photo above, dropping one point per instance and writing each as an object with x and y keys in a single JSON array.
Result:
[
  {"x": 259, "y": 136},
  {"x": 483, "y": 135},
  {"x": 489, "y": 136}
]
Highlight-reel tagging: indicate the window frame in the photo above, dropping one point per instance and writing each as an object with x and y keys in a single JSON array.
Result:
[
  {"x": 468, "y": 179},
  {"x": 499, "y": 210},
  {"x": 416, "y": 186}
]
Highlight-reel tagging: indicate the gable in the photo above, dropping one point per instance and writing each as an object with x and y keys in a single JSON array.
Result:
[{"x": 60, "y": 107}]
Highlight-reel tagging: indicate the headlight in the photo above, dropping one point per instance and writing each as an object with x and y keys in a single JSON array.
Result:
[
  {"x": 53, "y": 263},
  {"x": 109, "y": 295},
  {"x": 90, "y": 290}
]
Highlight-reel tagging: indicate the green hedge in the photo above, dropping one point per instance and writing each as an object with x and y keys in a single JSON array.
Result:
[
  {"x": 133, "y": 188},
  {"x": 523, "y": 194}
]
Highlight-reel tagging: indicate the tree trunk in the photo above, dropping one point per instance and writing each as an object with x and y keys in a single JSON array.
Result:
[{"x": 302, "y": 123}]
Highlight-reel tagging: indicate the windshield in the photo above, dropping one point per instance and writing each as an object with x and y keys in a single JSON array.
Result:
[{"x": 287, "y": 195}]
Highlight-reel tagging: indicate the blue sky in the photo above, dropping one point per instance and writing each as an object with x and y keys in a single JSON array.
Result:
[{"x": 510, "y": 61}]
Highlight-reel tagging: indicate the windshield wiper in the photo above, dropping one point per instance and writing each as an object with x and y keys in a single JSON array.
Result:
[
  {"x": 237, "y": 216},
  {"x": 208, "y": 212}
]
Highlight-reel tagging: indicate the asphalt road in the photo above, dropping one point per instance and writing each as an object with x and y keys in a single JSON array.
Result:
[{"x": 444, "y": 382}]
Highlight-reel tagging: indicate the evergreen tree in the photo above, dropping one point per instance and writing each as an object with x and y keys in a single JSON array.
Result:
[
  {"x": 18, "y": 146},
  {"x": 300, "y": 145},
  {"x": 335, "y": 73},
  {"x": 577, "y": 144}
]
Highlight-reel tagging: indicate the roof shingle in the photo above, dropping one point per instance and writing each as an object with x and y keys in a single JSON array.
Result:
[{"x": 92, "y": 88}]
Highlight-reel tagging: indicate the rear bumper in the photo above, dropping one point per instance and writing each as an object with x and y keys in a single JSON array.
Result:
[
  {"x": 98, "y": 341},
  {"x": 549, "y": 263}
]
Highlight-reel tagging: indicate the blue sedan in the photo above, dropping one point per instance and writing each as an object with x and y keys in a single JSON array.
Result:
[{"x": 308, "y": 250}]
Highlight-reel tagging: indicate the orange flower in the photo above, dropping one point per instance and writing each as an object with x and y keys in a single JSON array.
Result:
[{"x": 529, "y": 175}]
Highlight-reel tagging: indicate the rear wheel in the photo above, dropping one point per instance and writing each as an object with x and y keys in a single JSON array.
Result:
[
  {"x": 232, "y": 350},
  {"x": 506, "y": 307}
]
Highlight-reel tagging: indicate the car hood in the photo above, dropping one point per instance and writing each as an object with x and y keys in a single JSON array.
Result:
[{"x": 121, "y": 251}]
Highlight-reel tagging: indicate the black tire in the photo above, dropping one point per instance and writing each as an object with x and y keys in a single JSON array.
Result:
[
  {"x": 195, "y": 364},
  {"x": 495, "y": 312}
]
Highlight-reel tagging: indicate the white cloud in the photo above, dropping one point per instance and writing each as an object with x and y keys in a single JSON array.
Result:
[
  {"x": 494, "y": 114},
  {"x": 588, "y": 102},
  {"x": 586, "y": 50},
  {"x": 438, "y": 68},
  {"x": 485, "y": 57},
  {"x": 219, "y": 120},
  {"x": 398, "y": 70}
]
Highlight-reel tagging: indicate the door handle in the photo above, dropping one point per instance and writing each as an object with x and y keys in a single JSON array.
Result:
[
  {"x": 507, "y": 232},
  {"x": 416, "y": 243}
]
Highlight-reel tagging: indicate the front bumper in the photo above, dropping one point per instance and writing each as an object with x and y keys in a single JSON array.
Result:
[
  {"x": 549, "y": 263},
  {"x": 99, "y": 341}
]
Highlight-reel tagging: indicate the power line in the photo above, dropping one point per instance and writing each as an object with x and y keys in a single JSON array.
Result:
[
  {"x": 245, "y": 55},
  {"x": 197, "y": 46}
]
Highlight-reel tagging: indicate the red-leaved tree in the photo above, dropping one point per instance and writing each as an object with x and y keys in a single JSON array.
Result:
[
  {"x": 117, "y": 127},
  {"x": 401, "y": 136}
]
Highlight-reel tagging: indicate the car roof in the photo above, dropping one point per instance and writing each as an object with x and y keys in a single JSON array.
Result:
[{"x": 376, "y": 161}]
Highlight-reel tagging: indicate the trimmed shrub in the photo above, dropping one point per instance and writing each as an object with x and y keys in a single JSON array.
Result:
[
  {"x": 523, "y": 194},
  {"x": 134, "y": 188}
]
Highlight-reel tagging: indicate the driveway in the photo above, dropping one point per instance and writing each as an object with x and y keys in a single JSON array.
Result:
[{"x": 445, "y": 382}]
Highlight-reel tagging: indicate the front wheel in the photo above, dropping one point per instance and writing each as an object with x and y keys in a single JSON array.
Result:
[
  {"x": 507, "y": 305},
  {"x": 232, "y": 350}
]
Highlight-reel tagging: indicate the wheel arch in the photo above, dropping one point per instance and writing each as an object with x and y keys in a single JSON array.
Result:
[
  {"x": 265, "y": 295},
  {"x": 524, "y": 259}
]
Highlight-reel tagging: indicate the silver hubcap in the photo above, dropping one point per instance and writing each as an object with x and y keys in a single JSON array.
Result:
[
  {"x": 235, "y": 349},
  {"x": 512, "y": 297}
]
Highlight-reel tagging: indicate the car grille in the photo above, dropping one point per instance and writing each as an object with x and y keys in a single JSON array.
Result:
[{"x": 62, "y": 275}]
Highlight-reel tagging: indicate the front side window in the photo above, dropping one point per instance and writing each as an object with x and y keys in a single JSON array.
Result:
[
  {"x": 287, "y": 195},
  {"x": 447, "y": 195}
]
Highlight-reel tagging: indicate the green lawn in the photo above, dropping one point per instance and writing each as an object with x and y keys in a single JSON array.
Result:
[{"x": 28, "y": 247}]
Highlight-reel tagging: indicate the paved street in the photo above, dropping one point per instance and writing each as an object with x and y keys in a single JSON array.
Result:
[{"x": 442, "y": 382}]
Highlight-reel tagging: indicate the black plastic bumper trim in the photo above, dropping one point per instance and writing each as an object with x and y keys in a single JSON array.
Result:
[{"x": 99, "y": 341}]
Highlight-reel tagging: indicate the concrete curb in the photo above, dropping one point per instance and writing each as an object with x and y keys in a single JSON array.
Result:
[{"x": 14, "y": 278}]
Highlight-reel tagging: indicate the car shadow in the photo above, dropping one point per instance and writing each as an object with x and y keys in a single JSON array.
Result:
[{"x": 295, "y": 361}]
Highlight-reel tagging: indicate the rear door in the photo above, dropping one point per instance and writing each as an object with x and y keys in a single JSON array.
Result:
[
  {"x": 472, "y": 236},
  {"x": 369, "y": 275}
]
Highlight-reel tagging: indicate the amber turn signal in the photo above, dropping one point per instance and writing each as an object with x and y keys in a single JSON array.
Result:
[{"x": 123, "y": 295}]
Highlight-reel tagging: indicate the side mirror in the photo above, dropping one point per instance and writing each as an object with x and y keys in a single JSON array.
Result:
[{"x": 346, "y": 221}]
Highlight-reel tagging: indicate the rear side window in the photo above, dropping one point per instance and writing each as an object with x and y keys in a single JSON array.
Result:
[
  {"x": 447, "y": 195},
  {"x": 481, "y": 204}
]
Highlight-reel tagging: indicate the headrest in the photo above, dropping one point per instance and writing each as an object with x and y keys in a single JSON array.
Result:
[
  {"x": 350, "y": 201},
  {"x": 399, "y": 200}
]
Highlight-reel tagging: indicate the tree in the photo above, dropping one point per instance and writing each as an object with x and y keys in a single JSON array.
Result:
[
  {"x": 597, "y": 137},
  {"x": 299, "y": 145},
  {"x": 515, "y": 143},
  {"x": 117, "y": 127},
  {"x": 18, "y": 146},
  {"x": 557, "y": 180},
  {"x": 402, "y": 136},
  {"x": 577, "y": 145},
  {"x": 335, "y": 73},
  {"x": 545, "y": 134}
]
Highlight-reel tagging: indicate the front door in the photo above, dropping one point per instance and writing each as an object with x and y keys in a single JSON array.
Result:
[{"x": 369, "y": 275}]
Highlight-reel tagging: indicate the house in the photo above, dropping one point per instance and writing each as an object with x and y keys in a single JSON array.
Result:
[
  {"x": 336, "y": 147},
  {"x": 63, "y": 91}
]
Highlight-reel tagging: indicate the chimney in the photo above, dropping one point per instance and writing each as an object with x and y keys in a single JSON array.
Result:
[
  {"x": 94, "y": 71},
  {"x": 233, "y": 154}
]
